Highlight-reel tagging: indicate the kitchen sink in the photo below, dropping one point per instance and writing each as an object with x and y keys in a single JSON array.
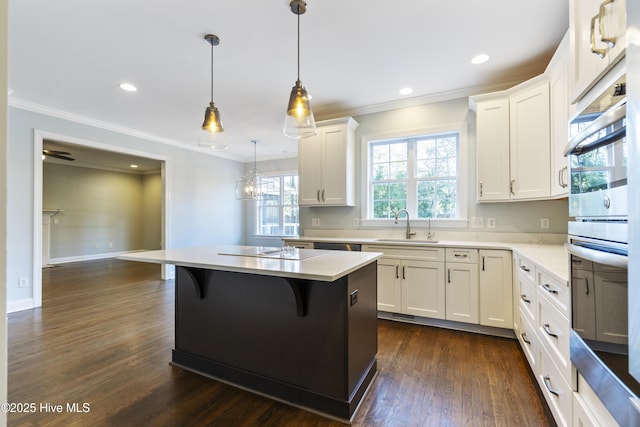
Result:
[{"x": 406, "y": 241}]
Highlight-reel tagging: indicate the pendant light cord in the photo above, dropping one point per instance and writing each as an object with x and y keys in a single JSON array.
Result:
[
  {"x": 298, "y": 43},
  {"x": 211, "y": 72}
]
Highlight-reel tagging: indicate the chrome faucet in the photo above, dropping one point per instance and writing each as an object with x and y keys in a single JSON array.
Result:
[{"x": 409, "y": 232}]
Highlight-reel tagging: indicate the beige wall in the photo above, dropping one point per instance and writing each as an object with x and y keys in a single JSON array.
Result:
[{"x": 103, "y": 211}]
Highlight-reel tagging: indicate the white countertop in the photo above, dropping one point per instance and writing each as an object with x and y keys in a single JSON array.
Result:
[
  {"x": 553, "y": 258},
  {"x": 309, "y": 264}
]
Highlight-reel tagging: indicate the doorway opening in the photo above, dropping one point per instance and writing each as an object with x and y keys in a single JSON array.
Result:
[{"x": 88, "y": 152}]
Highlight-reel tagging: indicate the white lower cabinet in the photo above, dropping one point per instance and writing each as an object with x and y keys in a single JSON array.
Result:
[
  {"x": 411, "y": 280},
  {"x": 544, "y": 310},
  {"x": 588, "y": 410},
  {"x": 496, "y": 288},
  {"x": 556, "y": 391},
  {"x": 461, "y": 285},
  {"x": 423, "y": 292}
]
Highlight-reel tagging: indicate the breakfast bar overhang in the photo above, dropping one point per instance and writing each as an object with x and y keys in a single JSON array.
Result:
[{"x": 296, "y": 325}]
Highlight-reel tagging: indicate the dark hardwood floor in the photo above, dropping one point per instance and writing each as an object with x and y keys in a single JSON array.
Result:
[{"x": 103, "y": 340}]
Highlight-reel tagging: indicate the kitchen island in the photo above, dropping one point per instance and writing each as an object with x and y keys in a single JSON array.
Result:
[{"x": 295, "y": 325}]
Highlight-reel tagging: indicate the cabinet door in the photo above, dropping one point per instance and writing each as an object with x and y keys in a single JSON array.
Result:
[
  {"x": 492, "y": 150},
  {"x": 530, "y": 143},
  {"x": 310, "y": 170},
  {"x": 335, "y": 167},
  {"x": 611, "y": 307},
  {"x": 389, "y": 289},
  {"x": 585, "y": 66},
  {"x": 461, "y": 292},
  {"x": 423, "y": 292},
  {"x": 559, "y": 119},
  {"x": 496, "y": 303},
  {"x": 583, "y": 303}
]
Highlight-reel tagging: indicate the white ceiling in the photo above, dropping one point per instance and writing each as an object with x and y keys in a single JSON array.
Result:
[{"x": 71, "y": 55}]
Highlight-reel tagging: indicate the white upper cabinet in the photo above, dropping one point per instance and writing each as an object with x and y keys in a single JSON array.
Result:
[
  {"x": 326, "y": 165},
  {"x": 492, "y": 148},
  {"x": 558, "y": 72},
  {"x": 530, "y": 142},
  {"x": 513, "y": 142},
  {"x": 597, "y": 31}
]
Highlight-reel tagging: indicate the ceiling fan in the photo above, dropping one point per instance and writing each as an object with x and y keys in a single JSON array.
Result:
[{"x": 64, "y": 155}]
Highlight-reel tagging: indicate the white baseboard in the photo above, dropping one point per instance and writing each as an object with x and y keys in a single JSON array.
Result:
[
  {"x": 19, "y": 305},
  {"x": 90, "y": 257}
]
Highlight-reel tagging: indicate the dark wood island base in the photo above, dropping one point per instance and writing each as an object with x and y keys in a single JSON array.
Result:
[{"x": 308, "y": 343}]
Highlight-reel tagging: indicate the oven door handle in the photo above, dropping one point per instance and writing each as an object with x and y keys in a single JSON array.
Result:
[
  {"x": 617, "y": 112},
  {"x": 600, "y": 257}
]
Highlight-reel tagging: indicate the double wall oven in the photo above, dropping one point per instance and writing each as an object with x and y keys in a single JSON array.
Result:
[{"x": 598, "y": 247}]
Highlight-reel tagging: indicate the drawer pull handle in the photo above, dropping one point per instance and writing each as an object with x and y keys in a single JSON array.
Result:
[
  {"x": 547, "y": 287},
  {"x": 460, "y": 255},
  {"x": 397, "y": 272},
  {"x": 524, "y": 268},
  {"x": 448, "y": 275},
  {"x": 523, "y": 297},
  {"x": 404, "y": 275},
  {"x": 547, "y": 384},
  {"x": 547, "y": 329},
  {"x": 524, "y": 338}
]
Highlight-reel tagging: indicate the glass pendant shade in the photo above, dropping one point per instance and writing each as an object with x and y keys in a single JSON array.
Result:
[
  {"x": 212, "y": 122},
  {"x": 299, "y": 121}
]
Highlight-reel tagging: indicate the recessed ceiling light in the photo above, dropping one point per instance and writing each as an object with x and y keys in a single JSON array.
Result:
[
  {"x": 128, "y": 87},
  {"x": 480, "y": 59},
  {"x": 134, "y": 166},
  {"x": 405, "y": 91}
]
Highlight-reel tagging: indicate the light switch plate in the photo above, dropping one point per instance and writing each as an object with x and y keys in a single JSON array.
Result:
[
  {"x": 491, "y": 223},
  {"x": 315, "y": 222},
  {"x": 544, "y": 223}
]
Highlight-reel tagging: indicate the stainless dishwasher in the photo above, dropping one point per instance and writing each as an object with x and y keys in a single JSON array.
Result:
[{"x": 337, "y": 246}]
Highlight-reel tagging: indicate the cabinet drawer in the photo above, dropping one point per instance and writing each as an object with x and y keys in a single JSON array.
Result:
[
  {"x": 526, "y": 268},
  {"x": 529, "y": 341},
  {"x": 556, "y": 391},
  {"x": 527, "y": 298},
  {"x": 558, "y": 293},
  {"x": 553, "y": 332},
  {"x": 461, "y": 255},
  {"x": 408, "y": 252}
]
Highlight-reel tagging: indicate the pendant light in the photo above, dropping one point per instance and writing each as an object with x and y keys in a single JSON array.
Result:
[
  {"x": 249, "y": 187},
  {"x": 212, "y": 126},
  {"x": 299, "y": 121}
]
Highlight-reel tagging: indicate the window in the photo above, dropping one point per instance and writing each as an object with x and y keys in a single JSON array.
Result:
[
  {"x": 418, "y": 173},
  {"x": 277, "y": 211}
]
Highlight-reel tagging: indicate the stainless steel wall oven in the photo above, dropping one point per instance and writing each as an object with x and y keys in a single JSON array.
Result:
[{"x": 598, "y": 247}]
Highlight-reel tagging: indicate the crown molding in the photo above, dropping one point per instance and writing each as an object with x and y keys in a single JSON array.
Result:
[{"x": 77, "y": 118}]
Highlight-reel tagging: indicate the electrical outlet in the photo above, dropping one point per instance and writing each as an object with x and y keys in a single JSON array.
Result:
[
  {"x": 315, "y": 222},
  {"x": 56, "y": 220},
  {"x": 477, "y": 222},
  {"x": 23, "y": 282},
  {"x": 491, "y": 223},
  {"x": 544, "y": 223},
  {"x": 355, "y": 222},
  {"x": 110, "y": 244}
]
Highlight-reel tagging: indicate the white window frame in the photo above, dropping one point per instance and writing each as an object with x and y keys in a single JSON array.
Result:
[
  {"x": 256, "y": 216},
  {"x": 461, "y": 219}
]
